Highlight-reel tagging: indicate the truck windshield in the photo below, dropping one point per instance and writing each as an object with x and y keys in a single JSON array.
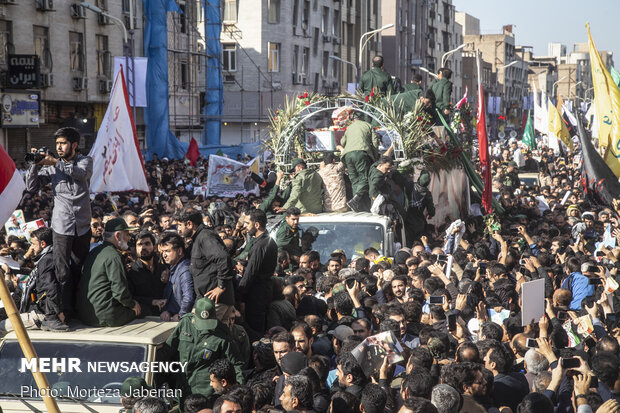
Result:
[
  {"x": 352, "y": 237},
  {"x": 109, "y": 372}
]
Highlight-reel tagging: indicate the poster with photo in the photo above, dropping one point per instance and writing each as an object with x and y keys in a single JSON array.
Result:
[
  {"x": 14, "y": 224},
  {"x": 371, "y": 352},
  {"x": 229, "y": 178},
  {"x": 320, "y": 141},
  {"x": 28, "y": 227}
]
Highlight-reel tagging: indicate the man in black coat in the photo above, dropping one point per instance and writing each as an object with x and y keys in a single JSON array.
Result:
[
  {"x": 210, "y": 265},
  {"x": 255, "y": 285},
  {"x": 42, "y": 283}
]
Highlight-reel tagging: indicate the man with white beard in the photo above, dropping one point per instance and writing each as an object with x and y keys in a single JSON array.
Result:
[{"x": 103, "y": 297}]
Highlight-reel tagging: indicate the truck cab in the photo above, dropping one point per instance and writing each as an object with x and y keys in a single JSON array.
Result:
[
  {"x": 99, "y": 354},
  {"x": 351, "y": 232}
]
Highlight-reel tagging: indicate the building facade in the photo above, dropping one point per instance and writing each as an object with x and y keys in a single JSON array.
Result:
[
  {"x": 404, "y": 44},
  {"x": 283, "y": 48},
  {"x": 443, "y": 35},
  {"x": 75, "y": 49},
  {"x": 510, "y": 68}
]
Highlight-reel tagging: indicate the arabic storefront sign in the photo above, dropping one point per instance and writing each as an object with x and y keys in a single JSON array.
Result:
[
  {"x": 23, "y": 71},
  {"x": 20, "y": 109}
]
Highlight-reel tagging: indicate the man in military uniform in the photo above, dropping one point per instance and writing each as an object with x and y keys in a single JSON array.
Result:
[
  {"x": 376, "y": 80},
  {"x": 287, "y": 236},
  {"x": 416, "y": 84},
  {"x": 511, "y": 178},
  {"x": 420, "y": 199},
  {"x": 198, "y": 340},
  {"x": 358, "y": 149},
  {"x": 103, "y": 297},
  {"x": 442, "y": 88},
  {"x": 378, "y": 183},
  {"x": 307, "y": 189}
]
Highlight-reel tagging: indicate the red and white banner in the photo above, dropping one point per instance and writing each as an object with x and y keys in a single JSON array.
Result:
[
  {"x": 117, "y": 161},
  {"x": 11, "y": 186},
  {"x": 463, "y": 100},
  {"x": 483, "y": 145}
]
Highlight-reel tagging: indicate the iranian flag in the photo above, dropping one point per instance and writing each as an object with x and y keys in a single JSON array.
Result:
[{"x": 11, "y": 186}]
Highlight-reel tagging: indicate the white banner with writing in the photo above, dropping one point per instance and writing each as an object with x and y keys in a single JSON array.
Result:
[{"x": 117, "y": 161}]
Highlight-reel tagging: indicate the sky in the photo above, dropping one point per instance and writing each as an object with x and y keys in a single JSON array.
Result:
[{"x": 538, "y": 22}]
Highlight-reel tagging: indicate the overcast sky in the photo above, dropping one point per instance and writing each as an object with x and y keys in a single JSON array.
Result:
[{"x": 539, "y": 22}]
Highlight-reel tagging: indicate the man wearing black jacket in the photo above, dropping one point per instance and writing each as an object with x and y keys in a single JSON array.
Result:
[
  {"x": 210, "y": 265},
  {"x": 256, "y": 282},
  {"x": 42, "y": 292}
]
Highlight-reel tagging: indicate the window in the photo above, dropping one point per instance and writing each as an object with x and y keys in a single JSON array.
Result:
[
  {"x": 325, "y": 67},
  {"x": 126, "y": 6},
  {"x": 273, "y": 59},
  {"x": 5, "y": 40},
  {"x": 103, "y": 56},
  {"x": 230, "y": 11},
  {"x": 41, "y": 38},
  {"x": 184, "y": 76},
  {"x": 315, "y": 42},
  {"x": 305, "y": 19},
  {"x": 325, "y": 21},
  {"x": 274, "y": 11},
  {"x": 305, "y": 60},
  {"x": 296, "y": 68},
  {"x": 76, "y": 52},
  {"x": 295, "y": 12},
  {"x": 183, "y": 18},
  {"x": 229, "y": 57},
  {"x": 102, "y": 4},
  {"x": 335, "y": 67},
  {"x": 336, "y": 23}
]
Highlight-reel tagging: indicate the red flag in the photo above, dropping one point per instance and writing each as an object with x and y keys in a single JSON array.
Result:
[
  {"x": 11, "y": 186},
  {"x": 192, "y": 152},
  {"x": 483, "y": 144}
]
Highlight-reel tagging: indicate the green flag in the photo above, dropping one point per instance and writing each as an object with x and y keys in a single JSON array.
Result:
[
  {"x": 615, "y": 75},
  {"x": 529, "y": 139}
]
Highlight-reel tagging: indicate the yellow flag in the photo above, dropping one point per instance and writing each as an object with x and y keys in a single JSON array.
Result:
[
  {"x": 607, "y": 101},
  {"x": 557, "y": 125}
]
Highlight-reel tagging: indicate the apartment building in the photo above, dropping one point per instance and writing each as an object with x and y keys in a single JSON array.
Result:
[{"x": 63, "y": 54}]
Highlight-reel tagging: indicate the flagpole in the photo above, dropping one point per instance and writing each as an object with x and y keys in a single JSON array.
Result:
[{"x": 27, "y": 348}]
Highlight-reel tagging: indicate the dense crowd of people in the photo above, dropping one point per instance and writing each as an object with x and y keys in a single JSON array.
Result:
[{"x": 266, "y": 323}]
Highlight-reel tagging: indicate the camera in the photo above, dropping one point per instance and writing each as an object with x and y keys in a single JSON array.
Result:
[{"x": 38, "y": 156}]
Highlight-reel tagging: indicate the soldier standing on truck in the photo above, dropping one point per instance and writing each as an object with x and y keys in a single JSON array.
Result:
[{"x": 358, "y": 149}]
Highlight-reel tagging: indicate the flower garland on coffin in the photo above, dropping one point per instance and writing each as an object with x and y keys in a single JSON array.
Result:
[
  {"x": 423, "y": 148},
  {"x": 421, "y": 145}
]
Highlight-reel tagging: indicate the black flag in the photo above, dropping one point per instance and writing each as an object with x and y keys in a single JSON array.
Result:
[{"x": 597, "y": 179}]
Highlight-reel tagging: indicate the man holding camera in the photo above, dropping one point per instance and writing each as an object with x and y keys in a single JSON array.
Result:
[{"x": 69, "y": 175}]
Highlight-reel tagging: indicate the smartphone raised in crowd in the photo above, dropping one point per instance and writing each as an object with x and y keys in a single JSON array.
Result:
[
  {"x": 563, "y": 315},
  {"x": 531, "y": 343},
  {"x": 571, "y": 363},
  {"x": 452, "y": 322},
  {"x": 437, "y": 299}
]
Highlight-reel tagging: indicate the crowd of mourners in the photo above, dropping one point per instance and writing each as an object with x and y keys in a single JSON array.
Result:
[{"x": 268, "y": 324}]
